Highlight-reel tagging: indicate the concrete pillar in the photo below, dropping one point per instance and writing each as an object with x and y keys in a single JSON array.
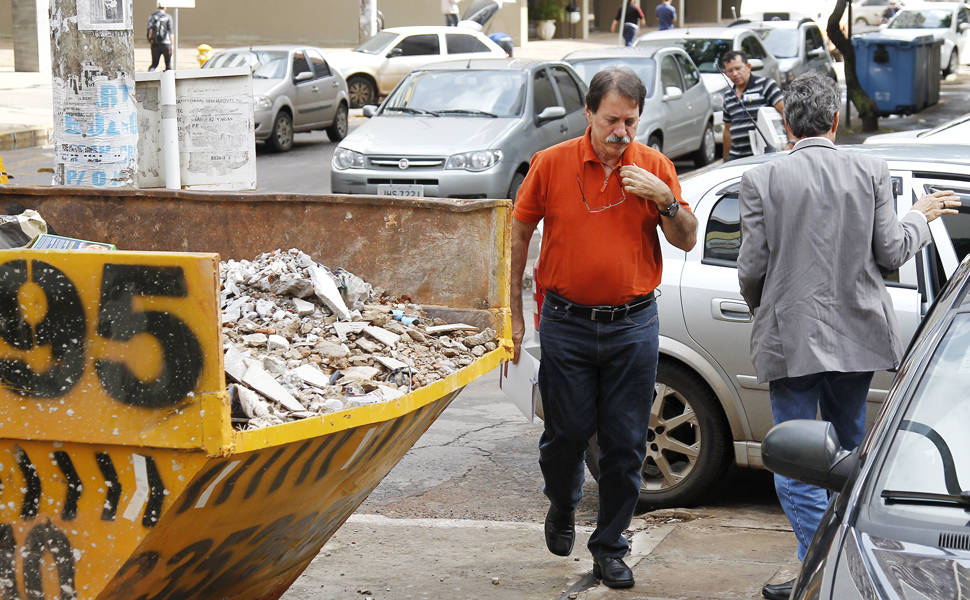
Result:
[
  {"x": 31, "y": 44},
  {"x": 95, "y": 118},
  {"x": 584, "y": 17}
]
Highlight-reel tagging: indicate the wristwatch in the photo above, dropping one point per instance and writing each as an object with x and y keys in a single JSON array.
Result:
[{"x": 671, "y": 210}]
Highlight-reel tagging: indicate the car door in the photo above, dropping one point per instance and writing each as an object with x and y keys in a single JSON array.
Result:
[
  {"x": 409, "y": 53},
  {"x": 327, "y": 86},
  {"x": 544, "y": 95},
  {"x": 963, "y": 34},
  {"x": 697, "y": 99},
  {"x": 306, "y": 101},
  {"x": 572, "y": 98},
  {"x": 677, "y": 129},
  {"x": 719, "y": 321},
  {"x": 752, "y": 46}
]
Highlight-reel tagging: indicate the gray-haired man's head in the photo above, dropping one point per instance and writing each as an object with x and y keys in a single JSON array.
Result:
[
  {"x": 811, "y": 103},
  {"x": 621, "y": 79}
]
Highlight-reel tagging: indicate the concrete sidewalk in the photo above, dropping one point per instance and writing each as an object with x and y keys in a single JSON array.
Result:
[{"x": 702, "y": 554}]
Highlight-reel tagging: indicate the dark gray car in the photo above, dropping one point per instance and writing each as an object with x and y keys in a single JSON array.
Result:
[
  {"x": 677, "y": 117},
  {"x": 461, "y": 129},
  {"x": 897, "y": 529}
]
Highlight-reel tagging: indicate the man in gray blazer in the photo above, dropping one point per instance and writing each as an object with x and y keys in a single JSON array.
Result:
[{"x": 816, "y": 227}]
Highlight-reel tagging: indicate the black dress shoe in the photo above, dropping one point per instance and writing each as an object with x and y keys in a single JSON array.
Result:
[
  {"x": 560, "y": 531},
  {"x": 778, "y": 591},
  {"x": 613, "y": 572}
]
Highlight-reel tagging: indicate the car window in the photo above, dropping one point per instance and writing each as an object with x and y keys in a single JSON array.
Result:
[
  {"x": 300, "y": 63},
  {"x": 930, "y": 18},
  {"x": 644, "y": 67},
  {"x": 875, "y": 2},
  {"x": 814, "y": 38},
  {"x": 722, "y": 240},
  {"x": 688, "y": 70},
  {"x": 459, "y": 43},
  {"x": 320, "y": 67},
  {"x": 958, "y": 225},
  {"x": 963, "y": 16},
  {"x": 572, "y": 97},
  {"x": 472, "y": 94},
  {"x": 706, "y": 53},
  {"x": 545, "y": 96},
  {"x": 418, "y": 45},
  {"x": 670, "y": 74},
  {"x": 782, "y": 43},
  {"x": 377, "y": 44},
  {"x": 751, "y": 46}
]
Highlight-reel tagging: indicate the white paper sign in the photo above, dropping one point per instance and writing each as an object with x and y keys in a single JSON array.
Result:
[{"x": 520, "y": 383}]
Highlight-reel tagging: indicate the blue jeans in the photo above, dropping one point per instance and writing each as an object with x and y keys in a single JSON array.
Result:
[
  {"x": 841, "y": 400},
  {"x": 629, "y": 32},
  {"x": 597, "y": 378}
]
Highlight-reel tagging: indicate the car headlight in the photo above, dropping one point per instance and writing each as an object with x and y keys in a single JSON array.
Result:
[
  {"x": 262, "y": 102},
  {"x": 717, "y": 101},
  {"x": 348, "y": 159},
  {"x": 479, "y": 160}
]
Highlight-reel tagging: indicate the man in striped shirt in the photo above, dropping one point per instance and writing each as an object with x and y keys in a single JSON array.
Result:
[{"x": 741, "y": 103}]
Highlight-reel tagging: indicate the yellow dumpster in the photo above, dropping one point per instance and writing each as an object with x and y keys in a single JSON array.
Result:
[{"x": 121, "y": 474}]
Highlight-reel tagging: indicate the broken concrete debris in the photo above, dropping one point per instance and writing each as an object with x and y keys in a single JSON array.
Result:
[{"x": 302, "y": 340}]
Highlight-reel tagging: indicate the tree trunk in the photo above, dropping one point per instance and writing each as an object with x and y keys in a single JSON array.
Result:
[
  {"x": 95, "y": 116},
  {"x": 866, "y": 106}
]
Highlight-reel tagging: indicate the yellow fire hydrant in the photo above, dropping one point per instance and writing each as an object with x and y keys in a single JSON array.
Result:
[{"x": 205, "y": 51}]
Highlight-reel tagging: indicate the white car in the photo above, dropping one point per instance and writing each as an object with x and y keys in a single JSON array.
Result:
[
  {"x": 705, "y": 45},
  {"x": 956, "y": 131},
  {"x": 376, "y": 66},
  {"x": 946, "y": 21}
]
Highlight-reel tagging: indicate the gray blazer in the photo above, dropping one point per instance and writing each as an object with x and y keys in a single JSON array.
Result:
[{"x": 816, "y": 225}]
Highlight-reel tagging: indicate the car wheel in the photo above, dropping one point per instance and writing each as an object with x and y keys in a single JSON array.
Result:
[
  {"x": 361, "y": 90},
  {"x": 861, "y": 22},
  {"x": 517, "y": 180},
  {"x": 281, "y": 138},
  {"x": 688, "y": 442},
  {"x": 655, "y": 143},
  {"x": 338, "y": 129},
  {"x": 951, "y": 65},
  {"x": 707, "y": 151}
]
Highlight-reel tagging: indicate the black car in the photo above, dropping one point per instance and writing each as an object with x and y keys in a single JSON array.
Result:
[{"x": 898, "y": 526}]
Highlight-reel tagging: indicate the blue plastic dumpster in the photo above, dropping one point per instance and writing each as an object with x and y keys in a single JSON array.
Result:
[{"x": 901, "y": 75}]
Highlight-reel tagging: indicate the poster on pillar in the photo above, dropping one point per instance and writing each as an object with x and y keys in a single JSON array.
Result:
[{"x": 104, "y": 15}]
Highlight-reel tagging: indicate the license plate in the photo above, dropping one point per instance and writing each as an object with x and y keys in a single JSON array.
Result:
[{"x": 401, "y": 190}]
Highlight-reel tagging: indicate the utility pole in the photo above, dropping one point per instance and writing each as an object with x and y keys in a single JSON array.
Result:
[
  {"x": 95, "y": 118},
  {"x": 368, "y": 20}
]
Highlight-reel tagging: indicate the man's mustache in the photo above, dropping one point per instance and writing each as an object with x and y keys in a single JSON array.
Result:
[{"x": 615, "y": 139}]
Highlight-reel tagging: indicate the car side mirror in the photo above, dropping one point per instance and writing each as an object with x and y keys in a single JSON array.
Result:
[
  {"x": 673, "y": 93},
  {"x": 369, "y": 110},
  {"x": 756, "y": 64},
  {"x": 551, "y": 113},
  {"x": 303, "y": 76},
  {"x": 964, "y": 26},
  {"x": 809, "y": 451},
  {"x": 395, "y": 52}
]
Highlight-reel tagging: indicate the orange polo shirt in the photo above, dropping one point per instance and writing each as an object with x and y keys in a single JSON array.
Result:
[{"x": 605, "y": 257}]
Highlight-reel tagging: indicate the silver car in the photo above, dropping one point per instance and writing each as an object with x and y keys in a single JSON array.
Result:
[
  {"x": 677, "y": 118},
  {"x": 294, "y": 90},
  {"x": 706, "y": 45},
  {"x": 461, "y": 129},
  {"x": 798, "y": 46},
  {"x": 709, "y": 409}
]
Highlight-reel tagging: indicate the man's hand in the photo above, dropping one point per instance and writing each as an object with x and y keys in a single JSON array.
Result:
[
  {"x": 518, "y": 332},
  {"x": 645, "y": 184},
  {"x": 943, "y": 202}
]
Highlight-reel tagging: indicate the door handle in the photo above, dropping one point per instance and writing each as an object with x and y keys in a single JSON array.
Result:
[
  {"x": 730, "y": 309},
  {"x": 563, "y": 129},
  {"x": 315, "y": 89}
]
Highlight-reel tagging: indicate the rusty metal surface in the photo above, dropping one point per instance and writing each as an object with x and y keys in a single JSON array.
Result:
[{"x": 390, "y": 242}]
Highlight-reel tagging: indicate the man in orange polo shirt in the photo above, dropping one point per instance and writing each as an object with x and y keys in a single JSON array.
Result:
[{"x": 602, "y": 196}]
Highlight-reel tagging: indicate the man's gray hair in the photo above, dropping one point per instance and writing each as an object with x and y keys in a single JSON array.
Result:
[
  {"x": 621, "y": 79},
  {"x": 811, "y": 102}
]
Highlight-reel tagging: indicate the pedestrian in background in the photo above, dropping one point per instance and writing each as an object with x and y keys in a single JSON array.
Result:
[
  {"x": 741, "y": 103},
  {"x": 450, "y": 10},
  {"x": 160, "y": 37},
  {"x": 666, "y": 15},
  {"x": 603, "y": 196},
  {"x": 631, "y": 23},
  {"x": 817, "y": 225}
]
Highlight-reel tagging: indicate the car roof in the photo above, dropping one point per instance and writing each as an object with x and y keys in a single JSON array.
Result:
[
  {"x": 948, "y": 154},
  {"x": 490, "y": 64},
  {"x": 411, "y": 29},
  {"x": 931, "y": 5},
  {"x": 263, "y": 47},
  {"x": 780, "y": 24},
  {"x": 617, "y": 52},
  {"x": 726, "y": 33}
]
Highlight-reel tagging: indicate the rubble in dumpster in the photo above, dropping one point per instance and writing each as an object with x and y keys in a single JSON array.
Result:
[{"x": 302, "y": 340}]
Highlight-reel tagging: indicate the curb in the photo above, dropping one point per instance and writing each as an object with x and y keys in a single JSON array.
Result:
[{"x": 27, "y": 137}]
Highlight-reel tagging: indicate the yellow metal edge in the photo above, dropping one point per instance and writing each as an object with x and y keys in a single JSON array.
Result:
[
  {"x": 246, "y": 441},
  {"x": 217, "y": 436}
]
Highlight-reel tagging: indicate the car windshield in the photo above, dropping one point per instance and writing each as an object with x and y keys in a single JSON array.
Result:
[
  {"x": 955, "y": 131},
  {"x": 465, "y": 93},
  {"x": 265, "y": 64},
  {"x": 706, "y": 53},
  {"x": 929, "y": 18},
  {"x": 783, "y": 43},
  {"x": 377, "y": 44},
  {"x": 644, "y": 67},
  {"x": 930, "y": 451}
]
